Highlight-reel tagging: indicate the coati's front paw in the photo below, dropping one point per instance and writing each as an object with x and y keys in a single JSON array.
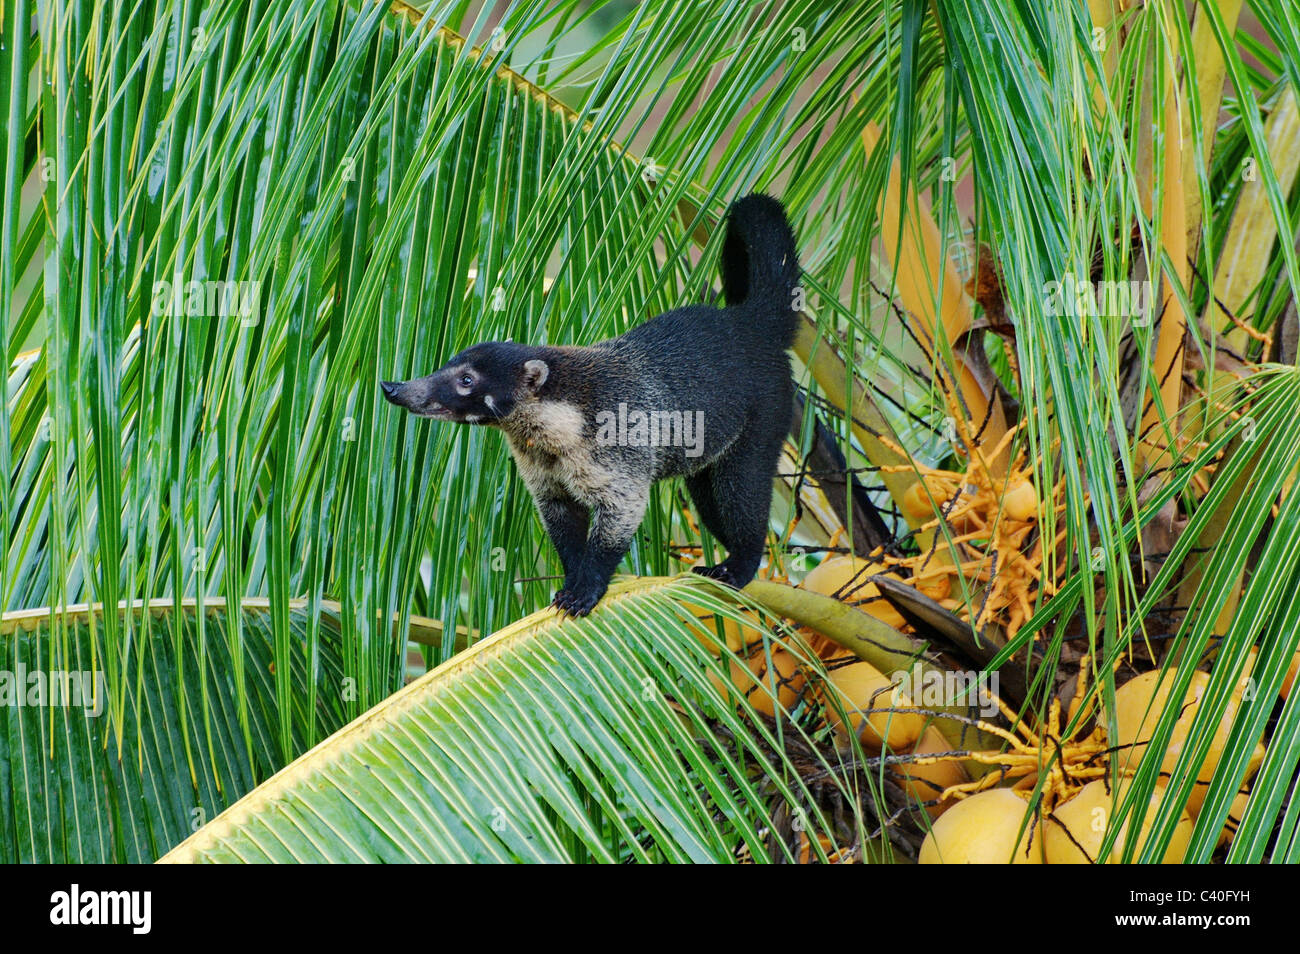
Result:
[
  {"x": 724, "y": 573},
  {"x": 577, "y": 600}
]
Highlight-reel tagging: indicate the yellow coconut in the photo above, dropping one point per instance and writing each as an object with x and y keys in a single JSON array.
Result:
[
  {"x": 1256, "y": 760},
  {"x": 1233, "y": 821},
  {"x": 1138, "y": 704},
  {"x": 736, "y": 635},
  {"x": 1196, "y": 800},
  {"x": 1238, "y": 807},
  {"x": 859, "y": 686},
  {"x": 751, "y": 679},
  {"x": 916, "y": 505},
  {"x": 937, "y": 587},
  {"x": 848, "y": 579},
  {"x": 925, "y": 783},
  {"x": 1076, "y": 829},
  {"x": 1020, "y": 502},
  {"x": 984, "y": 829}
]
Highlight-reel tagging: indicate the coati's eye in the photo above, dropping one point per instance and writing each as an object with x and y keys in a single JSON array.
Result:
[{"x": 466, "y": 381}]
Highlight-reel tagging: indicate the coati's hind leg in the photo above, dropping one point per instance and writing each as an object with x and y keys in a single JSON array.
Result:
[
  {"x": 734, "y": 499},
  {"x": 617, "y": 513},
  {"x": 700, "y": 487}
]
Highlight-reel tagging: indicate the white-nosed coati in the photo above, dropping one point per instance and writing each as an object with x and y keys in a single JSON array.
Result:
[{"x": 585, "y": 424}]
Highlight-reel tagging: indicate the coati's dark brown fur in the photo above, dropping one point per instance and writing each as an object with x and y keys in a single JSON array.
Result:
[{"x": 715, "y": 381}]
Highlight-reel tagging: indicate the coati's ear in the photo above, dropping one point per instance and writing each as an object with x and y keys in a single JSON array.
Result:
[{"x": 535, "y": 372}]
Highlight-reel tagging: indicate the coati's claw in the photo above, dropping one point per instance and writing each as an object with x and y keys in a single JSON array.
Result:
[
  {"x": 563, "y": 599},
  {"x": 572, "y": 603},
  {"x": 722, "y": 573}
]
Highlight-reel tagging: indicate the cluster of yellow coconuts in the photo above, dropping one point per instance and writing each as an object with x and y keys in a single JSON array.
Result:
[
  {"x": 990, "y": 826},
  {"x": 851, "y": 687},
  {"x": 995, "y": 826}
]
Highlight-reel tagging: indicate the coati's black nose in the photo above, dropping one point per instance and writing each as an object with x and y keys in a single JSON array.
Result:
[{"x": 390, "y": 389}]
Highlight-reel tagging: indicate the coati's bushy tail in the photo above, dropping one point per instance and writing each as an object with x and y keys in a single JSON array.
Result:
[{"x": 760, "y": 263}]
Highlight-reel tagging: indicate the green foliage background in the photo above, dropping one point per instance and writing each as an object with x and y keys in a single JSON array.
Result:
[{"x": 394, "y": 197}]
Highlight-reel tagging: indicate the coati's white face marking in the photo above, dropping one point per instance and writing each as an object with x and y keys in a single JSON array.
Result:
[{"x": 463, "y": 380}]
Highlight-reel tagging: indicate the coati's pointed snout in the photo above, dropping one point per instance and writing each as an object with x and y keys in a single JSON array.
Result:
[{"x": 418, "y": 396}]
